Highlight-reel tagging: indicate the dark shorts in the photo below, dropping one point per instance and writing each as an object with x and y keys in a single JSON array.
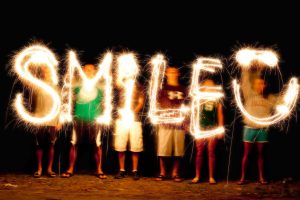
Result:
[
  {"x": 86, "y": 131},
  {"x": 255, "y": 135},
  {"x": 46, "y": 136}
]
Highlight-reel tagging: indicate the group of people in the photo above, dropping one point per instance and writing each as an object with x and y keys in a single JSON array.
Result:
[{"x": 88, "y": 104}]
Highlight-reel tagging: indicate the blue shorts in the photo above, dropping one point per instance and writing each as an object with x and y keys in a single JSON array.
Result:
[{"x": 255, "y": 135}]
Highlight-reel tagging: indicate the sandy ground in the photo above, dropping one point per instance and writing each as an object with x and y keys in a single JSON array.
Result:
[{"x": 16, "y": 186}]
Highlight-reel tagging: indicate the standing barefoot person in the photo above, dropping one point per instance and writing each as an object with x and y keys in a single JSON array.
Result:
[
  {"x": 254, "y": 135},
  {"x": 88, "y": 106},
  {"x": 170, "y": 144},
  {"x": 211, "y": 116},
  {"x": 47, "y": 133}
]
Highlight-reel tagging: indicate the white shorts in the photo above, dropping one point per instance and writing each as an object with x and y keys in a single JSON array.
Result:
[
  {"x": 131, "y": 136},
  {"x": 170, "y": 141}
]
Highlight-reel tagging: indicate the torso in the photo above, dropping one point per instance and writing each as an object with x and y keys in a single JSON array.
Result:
[{"x": 88, "y": 103}]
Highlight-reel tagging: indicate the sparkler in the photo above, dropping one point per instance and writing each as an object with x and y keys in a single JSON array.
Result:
[
  {"x": 127, "y": 73},
  {"x": 104, "y": 71},
  {"x": 245, "y": 57},
  {"x": 283, "y": 110},
  {"x": 202, "y": 94},
  {"x": 156, "y": 115},
  {"x": 37, "y": 56}
]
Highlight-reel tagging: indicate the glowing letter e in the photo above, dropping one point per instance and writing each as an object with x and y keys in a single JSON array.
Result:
[{"x": 200, "y": 96}]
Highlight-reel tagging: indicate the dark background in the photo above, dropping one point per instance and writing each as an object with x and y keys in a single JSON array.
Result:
[{"x": 181, "y": 32}]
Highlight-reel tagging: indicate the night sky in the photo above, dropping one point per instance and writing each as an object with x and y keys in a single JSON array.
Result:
[{"x": 181, "y": 32}]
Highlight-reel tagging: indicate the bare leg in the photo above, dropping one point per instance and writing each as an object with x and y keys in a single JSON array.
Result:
[
  {"x": 39, "y": 156},
  {"x": 212, "y": 143},
  {"x": 50, "y": 159},
  {"x": 72, "y": 159},
  {"x": 247, "y": 149},
  {"x": 200, "y": 144},
  {"x": 175, "y": 171},
  {"x": 121, "y": 173},
  {"x": 260, "y": 162},
  {"x": 162, "y": 165},
  {"x": 135, "y": 161},
  {"x": 98, "y": 159},
  {"x": 162, "y": 168},
  {"x": 121, "y": 161}
]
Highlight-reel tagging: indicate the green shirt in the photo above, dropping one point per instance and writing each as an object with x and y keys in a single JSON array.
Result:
[
  {"x": 208, "y": 115},
  {"x": 87, "y": 107}
]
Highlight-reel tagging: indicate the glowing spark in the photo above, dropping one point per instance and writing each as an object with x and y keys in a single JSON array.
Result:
[
  {"x": 89, "y": 84},
  {"x": 162, "y": 116},
  {"x": 202, "y": 94},
  {"x": 245, "y": 57},
  {"x": 127, "y": 73},
  {"x": 282, "y": 110},
  {"x": 36, "y": 56}
]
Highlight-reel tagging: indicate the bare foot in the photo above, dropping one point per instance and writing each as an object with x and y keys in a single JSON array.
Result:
[
  {"x": 212, "y": 181},
  {"x": 241, "y": 182},
  {"x": 160, "y": 177},
  {"x": 195, "y": 180},
  {"x": 177, "y": 178},
  {"x": 263, "y": 181}
]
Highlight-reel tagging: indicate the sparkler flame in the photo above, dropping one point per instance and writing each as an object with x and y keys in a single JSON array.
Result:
[
  {"x": 104, "y": 71},
  {"x": 282, "y": 110},
  {"x": 127, "y": 73},
  {"x": 244, "y": 58},
  {"x": 37, "y": 55},
  {"x": 200, "y": 97},
  {"x": 162, "y": 116}
]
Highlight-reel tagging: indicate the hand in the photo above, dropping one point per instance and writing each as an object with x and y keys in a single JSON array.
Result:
[
  {"x": 186, "y": 126},
  {"x": 257, "y": 66},
  {"x": 221, "y": 136},
  {"x": 58, "y": 127}
]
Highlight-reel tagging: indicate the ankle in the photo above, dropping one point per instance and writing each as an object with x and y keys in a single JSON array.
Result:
[
  {"x": 262, "y": 179},
  {"x": 162, "y": 173},
  {"x": 174, "y": 174},
  {"x": 212, "y": 180}
]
